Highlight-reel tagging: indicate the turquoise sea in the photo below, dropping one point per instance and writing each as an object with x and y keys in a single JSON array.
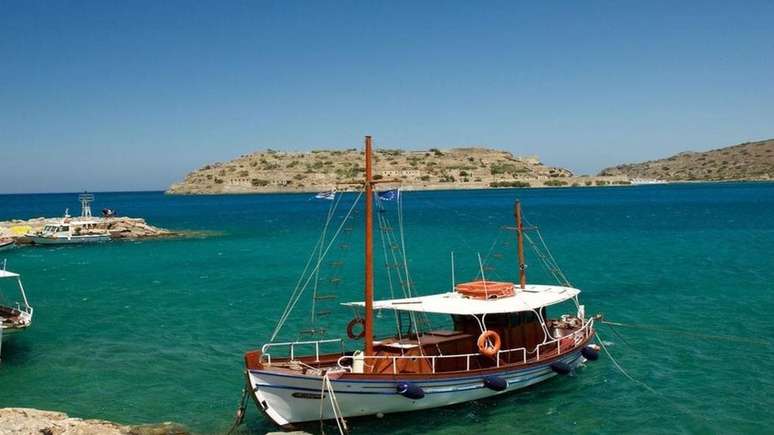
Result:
[{"x": 147, "y": 331}]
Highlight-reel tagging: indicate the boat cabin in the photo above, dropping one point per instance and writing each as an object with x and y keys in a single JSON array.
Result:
[
  {"x": 71, "y": 228},
  {"x": 518, "y": 318}
]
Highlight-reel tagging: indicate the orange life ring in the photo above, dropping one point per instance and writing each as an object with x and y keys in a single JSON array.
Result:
[
  {"x": 351, "y": 326},
  {"x": 485, "y": 289},
  {"x": 489, "y": 343}
]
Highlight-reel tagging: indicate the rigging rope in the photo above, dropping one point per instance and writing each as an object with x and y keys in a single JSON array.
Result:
[
  {"x": 408, "y": 276},
  {"x": 331, "y": 211},
  {"x": 488, "y": 254},
  {"x": 294, "y": 301},
  {"x": 545, "y": 256},
  {"x": 382, "y": 225}
]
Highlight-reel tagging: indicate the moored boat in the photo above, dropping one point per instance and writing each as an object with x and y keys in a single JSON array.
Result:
[
  {"x": 501, "y": 337},
  {"x": 68, "y": 230},
  {"x": 15, "y": 315},
  {"x": 646, "y": 181},
  {"x": 6, "y": 244}
]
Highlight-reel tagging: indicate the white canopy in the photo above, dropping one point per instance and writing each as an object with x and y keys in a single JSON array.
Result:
[
  {"x": 530, "y": 298},
  {"x": 7, "y": 274}
]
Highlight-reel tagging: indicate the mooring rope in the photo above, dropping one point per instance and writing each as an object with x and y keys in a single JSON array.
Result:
[
  {"x": 240, "y": 414},
  {"x": 337, "y": 414},
  {"x": 731, "y": 338},
  {"x": 643, "y": 384}
]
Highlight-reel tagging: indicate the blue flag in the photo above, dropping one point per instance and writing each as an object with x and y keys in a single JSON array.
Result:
[{"x": 388, "y": 195}]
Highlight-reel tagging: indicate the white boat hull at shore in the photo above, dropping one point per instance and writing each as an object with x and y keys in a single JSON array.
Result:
[
  {"x": 91, "y": 238},
  {"x": 288, "y": 399}
]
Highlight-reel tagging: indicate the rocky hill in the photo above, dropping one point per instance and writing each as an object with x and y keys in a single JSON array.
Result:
[
  {"x": 746, "y": 161},
  {"x": 277, "y": 171}
]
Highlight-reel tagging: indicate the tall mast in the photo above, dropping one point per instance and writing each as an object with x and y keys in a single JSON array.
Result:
[
  {"x": 520, "y": 239},
  {"x": 369, "y": 253}
]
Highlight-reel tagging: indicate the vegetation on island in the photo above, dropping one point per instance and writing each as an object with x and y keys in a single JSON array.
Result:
[
  {"x": 277, "y": 171},
  {"x": 745, "y": 161}
]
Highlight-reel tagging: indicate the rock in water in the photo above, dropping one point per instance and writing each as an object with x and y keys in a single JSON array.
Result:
[{"x": 25, "y": 421}]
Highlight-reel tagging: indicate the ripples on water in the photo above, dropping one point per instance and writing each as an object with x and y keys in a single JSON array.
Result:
[{"x": 154, "y": 330}]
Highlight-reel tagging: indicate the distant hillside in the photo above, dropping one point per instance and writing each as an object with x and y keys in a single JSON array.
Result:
[
  {"x": 276, "y": 171},
  {"x": 746, "y": 161}
]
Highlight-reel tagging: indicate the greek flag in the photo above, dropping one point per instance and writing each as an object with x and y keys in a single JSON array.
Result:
[
  {"x": 389, "y": 195},
  {"x": 326, "y": 195}
]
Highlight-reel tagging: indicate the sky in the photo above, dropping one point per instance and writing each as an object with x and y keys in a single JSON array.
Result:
[{"x": 132, "y": 95}]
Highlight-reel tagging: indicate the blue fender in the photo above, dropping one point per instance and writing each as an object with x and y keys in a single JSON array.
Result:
[
  {"x": 590, "y": 354},
  {"x": 410, "y": 390},
  {"x": 561, "y": 368},
  {"x": 495, "y": 383}
]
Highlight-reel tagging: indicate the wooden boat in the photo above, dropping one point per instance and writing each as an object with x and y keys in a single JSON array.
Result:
[{"x": 501, "y": 340}]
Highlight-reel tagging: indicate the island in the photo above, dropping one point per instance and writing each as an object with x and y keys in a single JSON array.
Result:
[{"x": 434, "y": 169}]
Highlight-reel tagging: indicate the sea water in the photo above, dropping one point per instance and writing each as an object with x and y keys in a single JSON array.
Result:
[{"x": 154, "y": 330}]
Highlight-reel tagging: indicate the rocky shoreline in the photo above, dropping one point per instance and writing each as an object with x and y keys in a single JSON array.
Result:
[
  {"x": 118, "y": 227},
  {"x": 570, "y": 181},
  {"x": 25, "y": 421}
]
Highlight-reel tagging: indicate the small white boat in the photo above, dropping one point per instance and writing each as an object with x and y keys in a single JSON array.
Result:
[
  {"x": 6, "y": 244},
  {"x": 646, "y": 181},
  {"x": 14, "y": 316},
  {"x": 68, "y": 231}
]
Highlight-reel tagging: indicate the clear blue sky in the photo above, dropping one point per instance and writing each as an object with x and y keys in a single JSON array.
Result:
[{"x": 123, "y": 95}]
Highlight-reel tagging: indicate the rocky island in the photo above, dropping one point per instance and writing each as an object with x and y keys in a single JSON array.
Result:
[
  {"x": 433, "y": 169},
  {"x": 745, "y": 161}
]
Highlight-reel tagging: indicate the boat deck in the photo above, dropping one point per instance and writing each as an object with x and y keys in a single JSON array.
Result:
[{"x": 437, "y": 352}]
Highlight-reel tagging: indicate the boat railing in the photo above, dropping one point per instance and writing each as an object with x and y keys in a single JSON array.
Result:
[
  {"x": 431, "y": 359},
  {"x": 568, "y": 341},
  {"x": 560, "y": 344},
  {"x": 292, "y": 345}
]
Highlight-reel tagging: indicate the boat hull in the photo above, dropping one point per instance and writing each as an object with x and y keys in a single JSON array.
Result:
[
  {"x": 8, "y": 332},
  {"x": 7, "y": 246},
  {"x": 39, "y": 240},
  {"x": 288, "y": 399}
]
